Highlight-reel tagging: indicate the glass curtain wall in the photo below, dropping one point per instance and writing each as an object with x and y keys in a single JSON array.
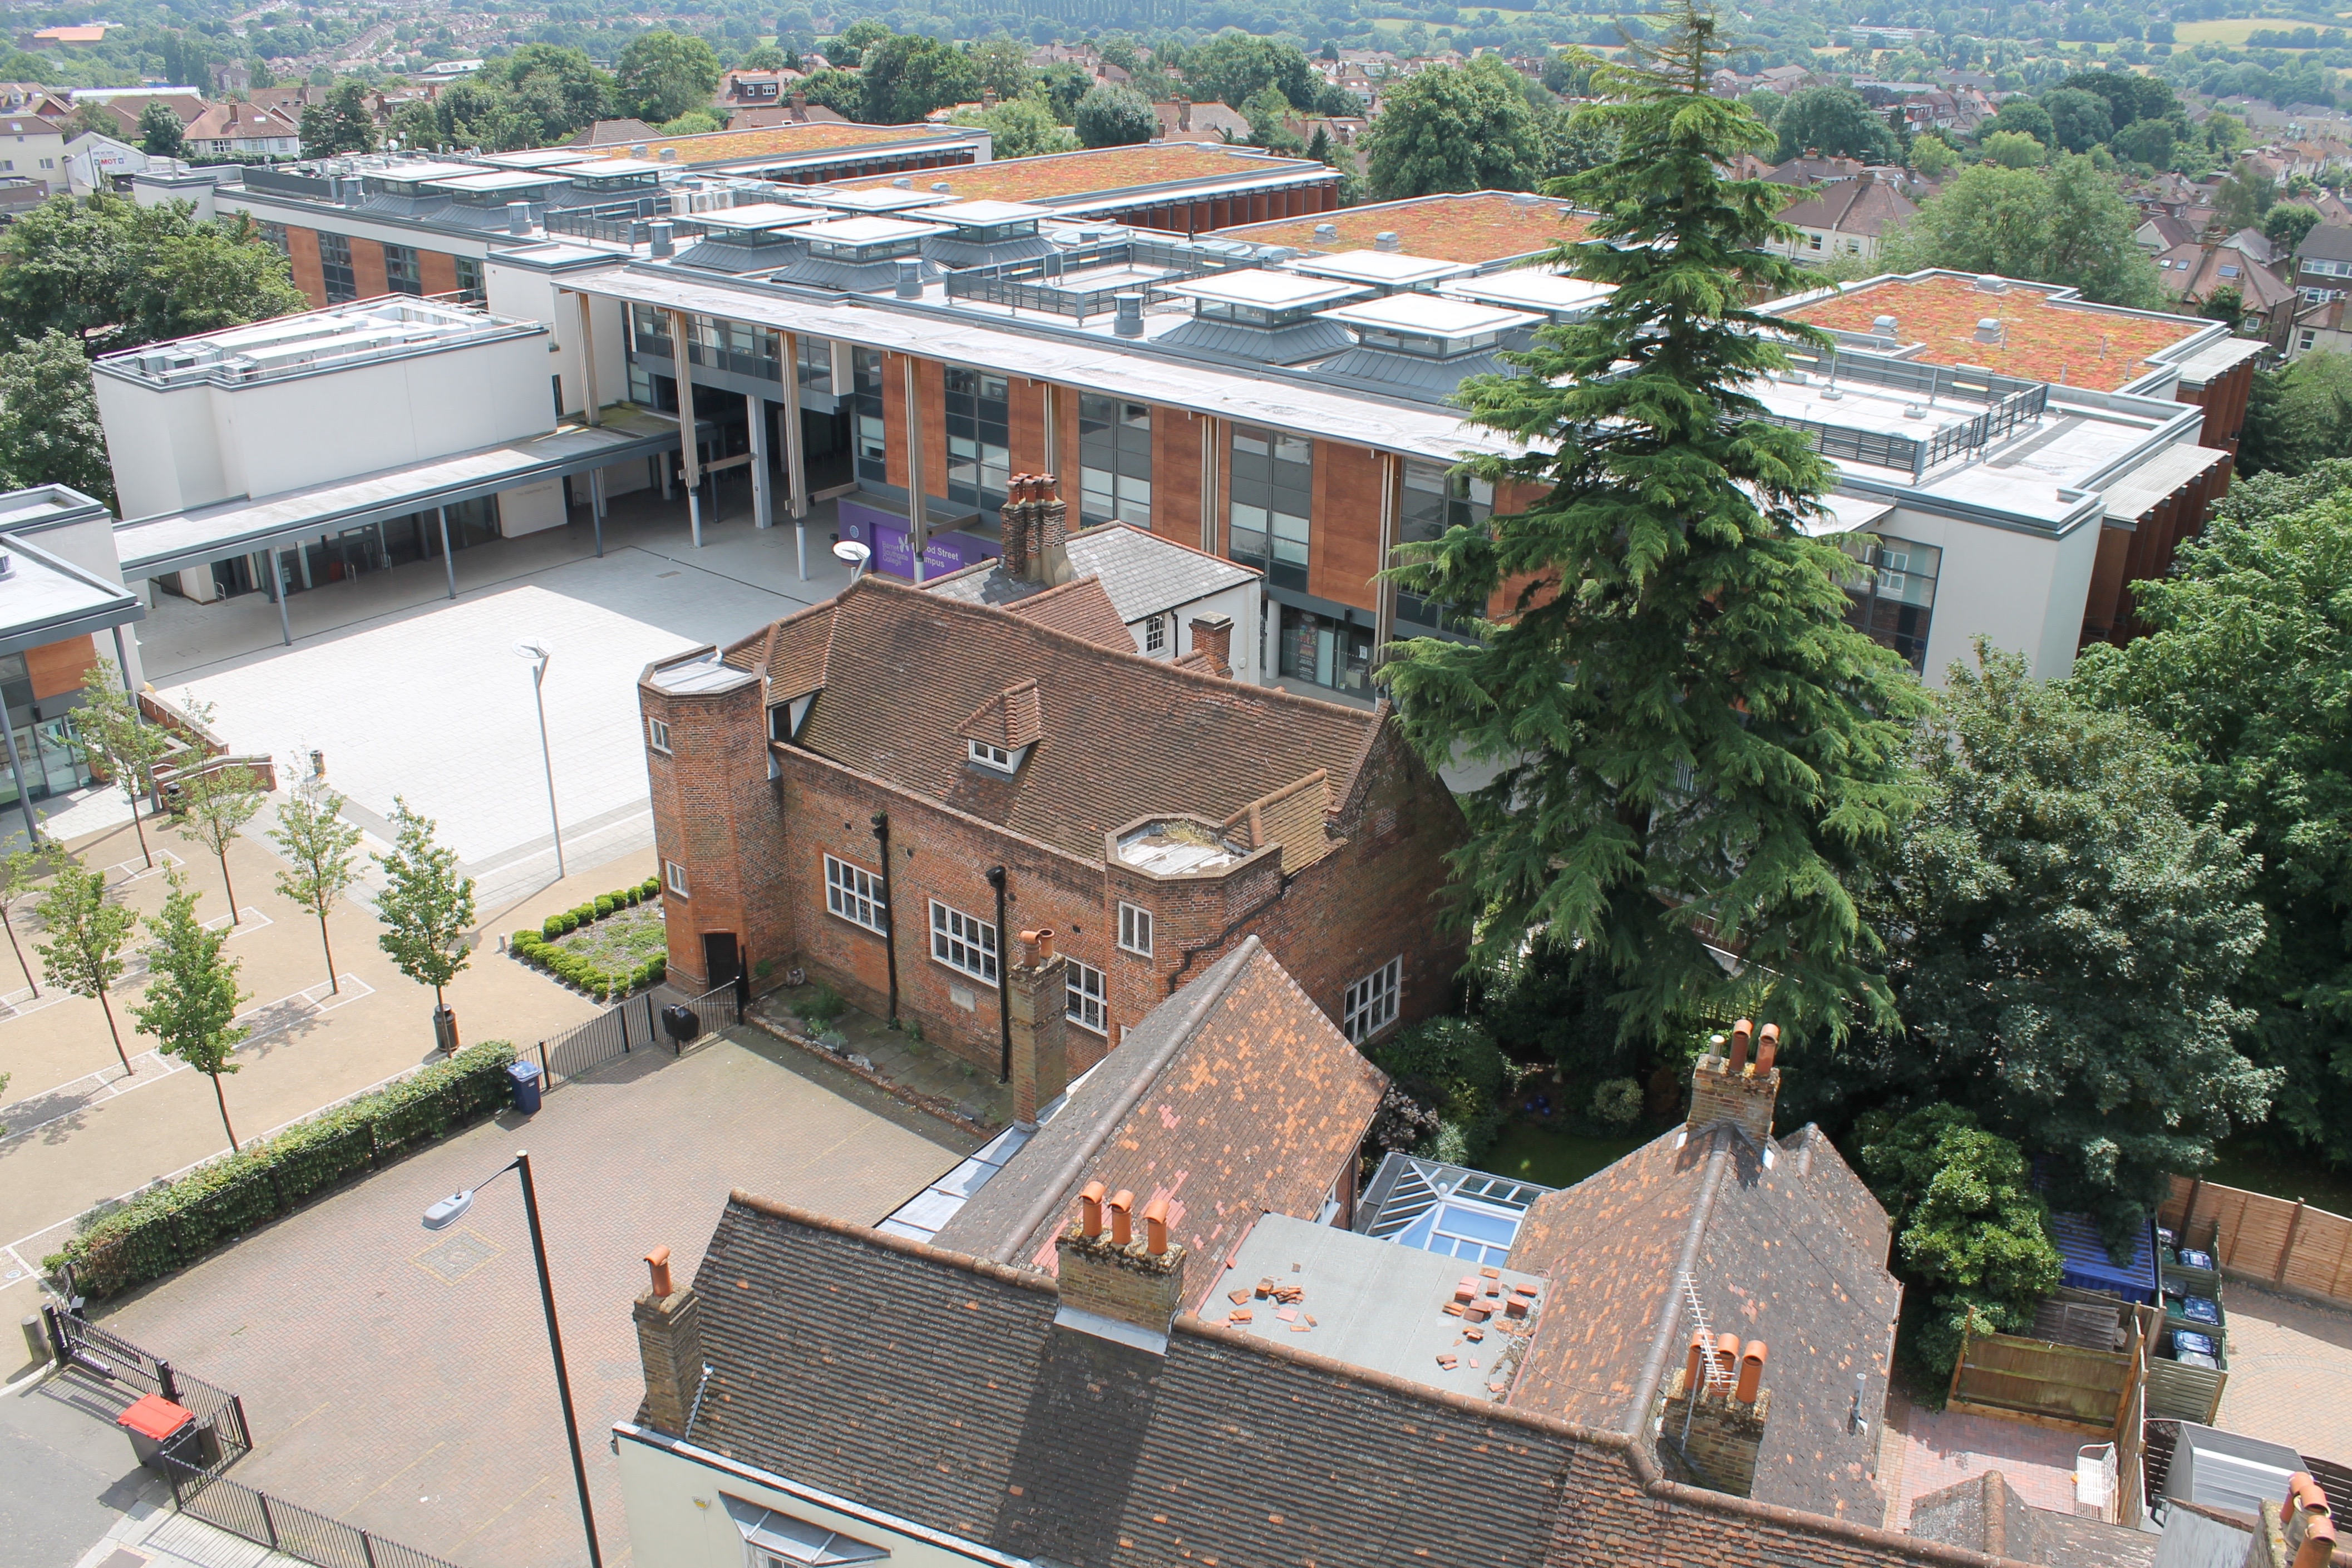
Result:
[
  {"x": 980, "y": 427},
  {"x": 1114, "y": 460},
  {"x": 1892, "y": 595},
  {"x": 865, "y": 398},
  {"x": 1273, "y": 479},
  {"x": 1436, "y": 499}
]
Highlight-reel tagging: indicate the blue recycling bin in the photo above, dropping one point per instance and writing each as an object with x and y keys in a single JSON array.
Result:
[{"x": 525, "y": 1078}]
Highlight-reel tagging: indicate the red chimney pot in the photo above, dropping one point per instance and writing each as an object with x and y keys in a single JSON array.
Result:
[
  {"x": 1122, "y": 1218},
  {"x": 1751, "y": 1372},
  {"x": 1740, "y": 1033},
  {"x": 1768, "y": 1045},
  {"x": 1090, "y": 1201},
  {"x": 657, "y": 1261},
  {"x": 1155, "y": 1227}
]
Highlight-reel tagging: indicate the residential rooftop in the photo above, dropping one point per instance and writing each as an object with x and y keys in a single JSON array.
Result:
[
  {"x": 1060, "y": 179},
  {"x": 1481, "y": 227}
]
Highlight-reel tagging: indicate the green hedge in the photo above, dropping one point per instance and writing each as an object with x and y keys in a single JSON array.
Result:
[
  {"x": 596, "y": 909},
  {"x": 575, "y": 969},
  {"x": 170, "y": 1227}
]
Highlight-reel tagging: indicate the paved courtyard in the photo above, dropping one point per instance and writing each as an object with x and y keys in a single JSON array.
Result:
[
  {"x": 2290, "y": 1371},
  {"x": 400, "y": 1379}
]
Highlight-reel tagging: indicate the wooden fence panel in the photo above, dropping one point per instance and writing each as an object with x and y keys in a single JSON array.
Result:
[
  {"x": 2004, "y": 1373},
  {"x": 2264, "y": 1238}
]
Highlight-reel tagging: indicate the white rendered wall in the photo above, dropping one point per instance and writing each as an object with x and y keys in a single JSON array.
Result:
[
  {"x": 530, "y": 508},
  {"x": 527, "y": 293},
  {"x": 2024, "y": 592}
]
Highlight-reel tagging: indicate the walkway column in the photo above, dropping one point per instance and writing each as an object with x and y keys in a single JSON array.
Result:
[
  {"x": 23, "y": 792},
  {"x": 596, "y": 507},
  {"x": 278, "y": 577},
  {"x": 755, "y": 406},
  {"x": 123, "y": 664},
  {"x": 588, "y": 368},
  {"x": 689, "y": 447},
  {"x": 447, "y": 560},
  {"x": 796, "y": 458}
]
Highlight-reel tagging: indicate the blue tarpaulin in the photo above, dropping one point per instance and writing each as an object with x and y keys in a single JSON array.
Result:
[{"x": 2085, "y": 1264}]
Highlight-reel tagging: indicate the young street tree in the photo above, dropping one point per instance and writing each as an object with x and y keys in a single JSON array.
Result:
[
  {"x": 1695, "y": 751},
  {"x": 425, "y": 905},
  {"x": 190, "y": 1005},
  {"x": 86, "y": 930},
  {"x": 110, "y": 732},
  {"x": 20, "y": 869},
  {"x": 215, "y": 805},
  {"x": 320, "y": 844}
]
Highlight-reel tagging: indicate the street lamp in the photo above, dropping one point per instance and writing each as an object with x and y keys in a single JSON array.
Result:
[
  {"x": 447, "y": 1213},
  {"x": 540, "y": 656}
]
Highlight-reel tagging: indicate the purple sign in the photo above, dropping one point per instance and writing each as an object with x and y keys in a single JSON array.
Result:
[{"x": 885, "y": 533}]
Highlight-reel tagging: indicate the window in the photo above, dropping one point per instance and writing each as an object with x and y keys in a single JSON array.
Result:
[
  {"x": 469, "y": 278},
  {"x": 873, "y": 435},
  {"x": 1325, "y": 650},
  {"x": 964, "y": 945},
  {"x": 1114, "y": 460},
  {"x": 980, "y": 420},
  {"x": 1813, "y": 242},
  {"x": 657, "y": 734},
  {"x": 1155, "y": 634},
  {"x": 1087, "y": 998},
  {"x": 273, "y": 234},
  {"x": 856, "y": 895},
  {"x": 816, "y": 369},
  {"x": 1892, "y": 595},
  {"x": 772, "y": 1540},
  {"x": 674, "y": 874},
  {"x": 400, "y": 270},
  {"x": 1371, "y": 1002},
  {"x": 2310, "y": 336},
  {"x": 1273, "y": 496},
  {"x": 988, "y": 756},
  {"x": 1135, "y": 929},
  {"x": 335, "y": 267},
  {"x": 48, "y": 162},
  {"x": 1437, "y": 499}
]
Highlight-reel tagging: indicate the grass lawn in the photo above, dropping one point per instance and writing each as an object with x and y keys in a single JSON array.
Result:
[
  {"x": 1534, "y": 1152},
  {"x": 2234, "y": 29},
  {"x": 621, "y": 940},
  {"x": 2255, "y": 1163}
]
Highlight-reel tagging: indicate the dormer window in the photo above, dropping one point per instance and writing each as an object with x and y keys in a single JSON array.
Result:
[
  {"x": 995, "y": 758},
  {"x": 999, "y": 732}
]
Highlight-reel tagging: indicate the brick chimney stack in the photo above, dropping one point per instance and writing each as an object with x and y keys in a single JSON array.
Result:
[
  {"x": 1213, "y": 635},
  {"x": 669, "y": 1342},
  {"x": 1715, "y": 1412},
  {"x": 800, "y": 106},
  {"x": 1184, "y": 112},
  {"x": 1119, "y": 1279},
  {"x": 1729, "y": 1087},
  {"x": 2301, "y": 1534},
  {"x": 1053, "y": 562},
  {"x": 1039, "y": 1005},
  {"x": 1014, "y": 520}
]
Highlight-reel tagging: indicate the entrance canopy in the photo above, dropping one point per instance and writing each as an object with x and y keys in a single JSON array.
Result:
[
  {"x": 46, "y": 599},
  {"x": 175, "y": 541}
]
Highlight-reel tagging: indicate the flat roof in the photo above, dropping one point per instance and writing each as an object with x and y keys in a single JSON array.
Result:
[
  {"x": 2064, "y": 342},
  {"x": 1481, "y": 227},
  {"x": 1530, "y": 289},
  {"x": 1268, "y": 290},
  {"x": 173, "y": 542},
  {"x": 337, "y": 336},
  {"x": 985, "y": 215},
  {"x": 612, "y": 168},
  {"x": 1429, "y": 313},
  {"x": 44, "y": 505},
  {"x": 500, "y": 180},
  {"x": 870, "y": 231},
  {"x": 874, "y": 199},
  {"x": 1378, "y": 1306},
  {"x": 538, "y": 157},
  {"x": 1064, "y": 179},
  {"x": 762, "y": 215},
  {"x": 45, "y": 598},
  {"x": 1108, "y": 367},
  {"x": 1392, "y": 269},
  {"x": 419, "y": 174},
  {"x": 815, "y": 138}
]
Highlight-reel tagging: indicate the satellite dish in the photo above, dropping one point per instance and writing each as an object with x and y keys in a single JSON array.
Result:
[{"x": 855, "y": 555}]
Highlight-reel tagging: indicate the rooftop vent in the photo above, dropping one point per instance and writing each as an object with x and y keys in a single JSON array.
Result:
[
  {"x": 7, "y": 566},
  {"x": 1882, "y": 326},
  {"x": 517, "y": 217},
  {"x": 1327, "y": 231},
  {"x": 910, "y": 277},
  {"x": 942, "y": 187},
  {"x": 902, "y": 184},
  {"x": 1991, "y": 283},
  {"x": 1524, "y": 198},
  {"x": 1131, "y": 315},
  {"x": 1387, "y": 241},
  {"x": 657, "y": 238},
  {"x": 637, "y": 150},
  {"x": 1988, "y": 330},
  {"x": 669, "y": 154}
]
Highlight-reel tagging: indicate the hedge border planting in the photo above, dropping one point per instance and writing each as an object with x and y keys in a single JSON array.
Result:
[
  {"x": 538, "y": 947},
  {"x": 169, "y": 1226}
]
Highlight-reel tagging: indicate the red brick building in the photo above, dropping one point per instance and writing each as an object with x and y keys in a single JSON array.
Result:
[{"x": 878, "y": 789}]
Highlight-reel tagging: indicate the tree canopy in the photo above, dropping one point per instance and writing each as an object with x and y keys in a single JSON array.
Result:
[
  {"x": 2066, "y": 224},
  {"x": 2298, "y": 415},
  {"x": 1694, "y": 751},
  {"x": 1020, "y": 128},
  {"x": 49, "y": 429},
  {"x": 1112, "y": 116},
  {"x": 661, "y": 74},
  {"x": 1454, "y": 128},
  {"x": 1834, "y": 122},
  {"x": 114, "y": 274},
  {"x": 908, "y": 76}
]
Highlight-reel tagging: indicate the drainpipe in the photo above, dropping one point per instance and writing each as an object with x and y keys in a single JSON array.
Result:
[
  {"x": 890, "y": 911},
  {"x": 1004, "y": 986}
]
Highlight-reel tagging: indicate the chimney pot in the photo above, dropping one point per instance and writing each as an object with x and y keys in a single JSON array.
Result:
[
  {"x": 2318, "y": 1548},
  {"x": 1037, "y": 946},
  {"x": 1090, "y": 1202},
  {"x": 1751, "y": 1372},
  {"x": 1122, "y": 1218},
  {"x": 1695, "y": 1365},
  {"x": 1727, "y": 1356},
  {"x": 1740, "y": 1033},
  {"x": 1155, "y": 1227},
  {"x": 2303, "y": 1492},
  {"x": 1768, "y": 1045},
  {"x": 657, "y": 1261}
]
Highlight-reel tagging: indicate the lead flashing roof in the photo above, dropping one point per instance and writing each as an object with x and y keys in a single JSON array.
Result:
[
  {"x": 482, "y": 182},
  {"x": 1263, "y": 289},
  {"x": 985, "y": 214},
  {"x": 758, "y": 215},
  {"x": 873, "y": 199},
  {"x": 870, "y": 231},
  {"x": 1384, "y": 269},
  {"x": 1429, "y": 315},
  {"x": 1530, "y": 289}
]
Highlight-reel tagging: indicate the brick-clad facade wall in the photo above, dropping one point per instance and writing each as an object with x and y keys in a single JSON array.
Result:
[
  {"x": 437, "y": 272},
  {"x": 894, "y": 419},
  {"x": 367, "y": 268},
  {"x": 932, "y": 387},
  {"x": 56, "y": 670},
  {"x": 1344, "y": 542},
  {"x": 1176, "y": 478},
  {"x": 302, "y": 258}
]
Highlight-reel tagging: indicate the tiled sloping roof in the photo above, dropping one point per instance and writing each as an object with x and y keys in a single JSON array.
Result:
[
  {"x": 1863, "y": 206},
  {"x": 792, "y": 652},
  {"x": 1839, "y": 1190},
  {"x": 1123, "y": 736},
  {"x": 2327, "y": 242},
  {"x": 1771, "y": 1263},
  {"x": 1985, "y": 1513},
  {"x": 2169, "y": 230},
  {"x": 1079, "y": 607},
  {"x": 1144, "y": 573},
  {"x": 1258, "y": 1106},
  {"x": 1008, "y": 718},
  {"x": 944, "y": 1393},
  {"x": 1292, "y": 816}
]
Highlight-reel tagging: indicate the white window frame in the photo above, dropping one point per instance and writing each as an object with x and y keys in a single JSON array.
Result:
[
  {"x": 964, "y": 943},
  {"x": 674, "y": 877},
  {"x": 1135, "y": 929},
  {"x": 1371, "y": 1005},
  {"x": 1155, "y": 634},
  {"x": 1087, "y": 1008},
  {"x": 995, "y": 759},
  {"x": 657, "y": 735},
  {"x": 854, "y": 894}
]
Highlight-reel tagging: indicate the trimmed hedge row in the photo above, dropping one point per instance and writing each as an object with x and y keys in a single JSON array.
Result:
[
  {"x": 596, "y": 909},
  {"x": 170, "y": 1227},
  {"x": 574, "y": 970}
]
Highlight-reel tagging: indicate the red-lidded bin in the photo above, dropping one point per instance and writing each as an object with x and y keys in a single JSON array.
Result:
[{"x": 155, "y": 1424}]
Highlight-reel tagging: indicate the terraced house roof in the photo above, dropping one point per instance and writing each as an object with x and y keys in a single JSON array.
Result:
[{"x": 1478, "y": 227}]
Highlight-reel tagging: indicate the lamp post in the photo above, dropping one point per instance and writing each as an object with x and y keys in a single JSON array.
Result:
[
  {"x": 447, "y": 1213},
  {"x": 540, "y": 656}
]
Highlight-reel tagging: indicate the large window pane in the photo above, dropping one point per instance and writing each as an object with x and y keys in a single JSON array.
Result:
[
  {"x": 1115, "y": 460},
  {"x": 1273, "y": 497},
  {"x": 1892, "y": 594}
]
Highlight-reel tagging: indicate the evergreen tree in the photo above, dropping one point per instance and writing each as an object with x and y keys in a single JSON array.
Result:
[
  {"x": 190, "y": 1005},
  {"x": 320, "y": 847},
  {"x": 86, "y": 930},
  {"x": 426, "y": 907},
  {"x": 1695, "y": 752}
]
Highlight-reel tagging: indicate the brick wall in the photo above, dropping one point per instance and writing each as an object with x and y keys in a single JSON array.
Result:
[
  {"x": 367, "y": 268},
  {"x": 1344, "y": 549},
  {"x": 1745, "y": 1098},
  {"x": 1176, "y": 477},
  {"x": 1720, "y": 1440},
  {"x": 1127, "y": 1283},
  {"x": 437, "y": 272},
  {"x": 302, "y": 257}
]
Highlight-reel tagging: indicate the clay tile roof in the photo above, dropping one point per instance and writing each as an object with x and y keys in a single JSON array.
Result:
[
  {"x": 1236, "y": 1097},
  {"x": 1123, "y": 736},
  {"x": 1292, "y": 816},
  {"x": 1081, "y": 608},
  {"x": 1009, "y": 719}
]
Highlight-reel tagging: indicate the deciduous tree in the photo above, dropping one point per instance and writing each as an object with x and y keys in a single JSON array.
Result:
[
  {"x": 339, "y": 123},
  {"x": 2298, "y": 415},
  {"x": 908, "y": 76},
  {"x": 1694, "y": 751},
  {"x": 320, "y": 849},
  {"x": 191, "y": 1003},
  {"x": 161, "y": 134},
  {"x": 427, "y": 909},
  {"x": 1112, "y": 116},
  {"x": 661, "y": 74},
  {"x": 49, "y": 429},
  {"x": 214, "y": 803},
  {"x": 21, "y": 872},
  {"x": 1022, "y": 128},
  {"x": 1834, "y": 122},
  {"x": 1454, "y": 128},
  {"x": 2066, "y": 224},
  {"x": 86, "y": 931},
  {"x": 110, "y": 732}
]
